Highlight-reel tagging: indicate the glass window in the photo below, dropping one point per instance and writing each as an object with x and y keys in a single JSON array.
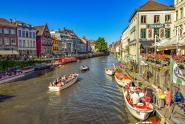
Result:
[
  {"x": 167, "y": 32},
  {"x": 12, "y": 31},
  {"x": 34, "y": 35},
  {"x": 6, "y": 41},
  {"x": 182, "y": 13},
  {"x": 143, "y": 19},
  {"x": 30, "y": 34},
  {"x": 177, "y": 15},
  {"x": 20, "y": 43},
  {"x": 6, "y": 31},
  {"x": 19, "y": 33},
  {"x": 150, "y": 33},
  {"x": 156, "y": 32},
  {"x": 13, "y": 41},
  {"x": 1, "y": 30},
  {"x": 143, "y": 33},
  {"x": 1, "y": 41},
  {"x": 24, "y": 43},
  {"x": 157, "y": 19},
  {"x": 23, "y": 33},
  {"x": 162, "y": 33},
  {"x": 33, "y": 43},
  {"x": 167, "y": 18},
  {"x": 27, "y": 34}
]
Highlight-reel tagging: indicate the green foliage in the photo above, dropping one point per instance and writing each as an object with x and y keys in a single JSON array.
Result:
[{"x": 101, "y": 45}]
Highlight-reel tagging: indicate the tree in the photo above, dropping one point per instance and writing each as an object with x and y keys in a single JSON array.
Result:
[{"x": 101, "y": 45}]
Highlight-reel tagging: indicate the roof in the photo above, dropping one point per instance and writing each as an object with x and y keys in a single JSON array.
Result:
[
  {"x": 84, "y": 40},
  {"x": 151, "y": 5},
  {"x": 5, "y": 22},
  {"x": 40, "y": 29}
]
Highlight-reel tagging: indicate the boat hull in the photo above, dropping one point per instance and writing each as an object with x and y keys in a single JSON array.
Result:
[
  {"x": 11, "y": 79},
  {"x": 119, "y": 82},
  {"x": 111, "y": 73},
  {"x": 139, "y": 114},
  {"x": 52, "y": 88}
]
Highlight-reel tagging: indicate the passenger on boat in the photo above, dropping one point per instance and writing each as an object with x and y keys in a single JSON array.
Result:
[{"x": 135, "y": 98}]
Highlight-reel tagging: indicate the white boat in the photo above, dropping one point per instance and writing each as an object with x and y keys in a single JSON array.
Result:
[
  {"x": 122, "y": 82},
  {"x": 11, "y": 78},
  {"x": 109, "y": 71},
  {"x": 84, "y": 68},
  {"x": 66, "y": 85},
  {"x": 139, "y": 113}
]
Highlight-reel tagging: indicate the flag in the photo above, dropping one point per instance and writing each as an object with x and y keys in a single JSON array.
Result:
[{"x": 176, "y": 74}]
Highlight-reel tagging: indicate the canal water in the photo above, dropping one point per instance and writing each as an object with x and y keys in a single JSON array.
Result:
[{"x": 94, "y": 99}]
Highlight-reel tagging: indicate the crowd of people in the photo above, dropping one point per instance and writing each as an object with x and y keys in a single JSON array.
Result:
[{"x": 61, "y": 81}]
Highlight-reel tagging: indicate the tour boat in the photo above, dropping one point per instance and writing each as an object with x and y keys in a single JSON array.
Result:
[
  {"x": 109, "y": 71},
  {"x": 122, "y": 79},
  {"x": 11, "y": 78},
  {"x": 67, "y": 84},
  {"x": 84, "y": 68},
  {"x": 140, "y": 111}
]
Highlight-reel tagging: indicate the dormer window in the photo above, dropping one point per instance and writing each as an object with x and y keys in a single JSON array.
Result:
[{"x": 157, "y": 19}]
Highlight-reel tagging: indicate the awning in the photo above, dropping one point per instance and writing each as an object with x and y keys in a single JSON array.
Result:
[
  {"x": 147, "y": 44},
  {"x": 8, "y": 52}
]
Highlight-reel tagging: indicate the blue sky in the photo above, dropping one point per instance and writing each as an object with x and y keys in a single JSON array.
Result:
[{"x": 90, "y": 18}]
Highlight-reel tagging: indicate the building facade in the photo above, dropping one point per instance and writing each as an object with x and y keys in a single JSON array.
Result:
[
  {"x": 44, "y": 43},
  {"x": 8, "y": 38},
  {"x": 87, "y": 44},
  {"x": 26, "y": 35},
  {"x": 55, "y": 45},
  {"x": 180, "y": 25},
  {"x": 151, "y": 22},
  {"x": 69, "y": 41}
]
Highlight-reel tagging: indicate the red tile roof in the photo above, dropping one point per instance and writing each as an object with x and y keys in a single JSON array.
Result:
[
  {"x": 151, "y": 5},
  {"x": 5, "y": 22},
  {"x": 40, "y": 29}
]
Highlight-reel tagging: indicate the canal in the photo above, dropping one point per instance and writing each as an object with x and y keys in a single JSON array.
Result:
[{"x": 94, "y": 99}]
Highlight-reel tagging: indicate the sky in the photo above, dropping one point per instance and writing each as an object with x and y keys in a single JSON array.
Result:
[{"x": 89, "y": 18}]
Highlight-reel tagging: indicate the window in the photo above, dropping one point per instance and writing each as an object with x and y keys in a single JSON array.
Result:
[
  {"x": 34, "y": 44},
  {"x": 12, "y": 31},
  {"x": 149, "y": 33},
  {"x": 23, "y": 34},
  {"x": 6, "y": 41},
  {"x": 6, "y": 31},
  {"x": 1, "y": 41},
  {"x": 167, "y": 18},
  {"x": 23, "y": 44},
  {"x": 156, "y": 32},
  {"x": 143, "y": 19},
  {"x": 156, "y": 19},
  {"x": 162, "y": 33},
  {"x": 143, "y": 33},
  {"x": 182, "y": 13},
  {"x": 19, "y": 33},
  {"x": 27, "y": 34},
  {"x": 167, "y": 32},
  {"x": 177, "y": 15},
  {"x": 1, "y": 30},
  {"x": 13, "y": 41},
  {"x": 30, "y": 34},
  {"x": 20, "y": 43},
  {"x": 34, "y": 35}
]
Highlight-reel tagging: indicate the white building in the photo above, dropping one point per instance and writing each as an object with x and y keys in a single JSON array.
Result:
[
  {"x": 124, "y": 44},
  {"x": 151, "y": 20},
  {"x": 26, "y": 35}
]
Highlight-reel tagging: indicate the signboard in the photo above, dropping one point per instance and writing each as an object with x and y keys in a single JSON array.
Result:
[{"x": 156, "y": 26}]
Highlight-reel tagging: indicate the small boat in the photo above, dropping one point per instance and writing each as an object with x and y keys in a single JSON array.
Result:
[
  {"x": 66, "y": 80},
  {"x": 140, "y": 111},
  {"x": 148, "y": 122},
  {"x": 122, "y": 79},
  {"x": 109, "y": 71},
  {"x": 84, "y": 68}
]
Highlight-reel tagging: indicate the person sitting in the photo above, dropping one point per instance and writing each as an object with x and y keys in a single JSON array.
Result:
[{"x": 135, "y": 98}]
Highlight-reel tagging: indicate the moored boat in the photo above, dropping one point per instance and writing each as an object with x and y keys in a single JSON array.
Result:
[
  {"x": 109, "y": 71},
  {"x": 63, "y": 82},
  {"x": 140, "y": 111},
  {"x": 122, "y": 79}
]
